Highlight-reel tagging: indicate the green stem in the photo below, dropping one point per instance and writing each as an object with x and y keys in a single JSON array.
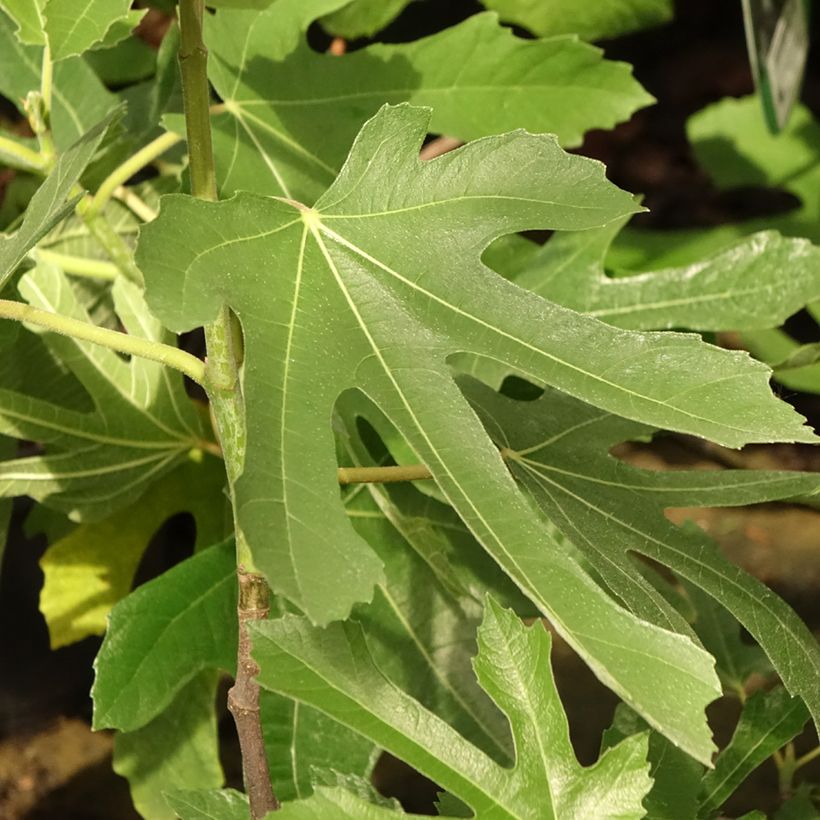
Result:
[
  {"x": 122, "y": 173},
  {"x": 135, "y": 203},
  {"x": 807, "y": 758},
  {"x": 47, "y": 82},
  {"x": 112, "y": 339},
  {"x": 383, "y": 475},
  {"x": 193, "y": 65},
  {"x": 42, "y": 103},
  {"x": 20, "y": 156},
  {"x": 78, "y": 265},
  {"x": 224, "y": 345},
  {"x": 785, "y": 763}
]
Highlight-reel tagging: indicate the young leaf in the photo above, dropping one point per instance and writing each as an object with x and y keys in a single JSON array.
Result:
[
  {"x": 603, "y": 19},
  {"x": 332, "y": 670},
  {"x": 477, "y": 76},
  {"x": 769, "y": 721},
  {"x": 91, "y": 568},
  {"x": 142, "y": 424},
  {"x": 226, "y": 804},
  {"x": 741, "y": 288},
  {"x": 162, "y": 635},
  {"x": 559, "y": 451},
  {"x": 178, "y": 749},
  {"x": 375, "y": 287},
  {"x": 54, "y": 200}
]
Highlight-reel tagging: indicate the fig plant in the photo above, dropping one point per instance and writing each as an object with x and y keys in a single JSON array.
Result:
[{"x": 403, "y": 470}]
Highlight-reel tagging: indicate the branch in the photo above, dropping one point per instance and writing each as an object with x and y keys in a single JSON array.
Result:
[
  {"x": 243, "y": 697},
  {"x": 112, "y": 339},
  {"x": 383, "y": 475},
  {"x": 134, "y": 203}
]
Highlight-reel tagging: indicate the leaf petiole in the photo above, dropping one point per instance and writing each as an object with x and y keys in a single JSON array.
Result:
[
  {"x": 122, "y": 173},
  {"x": 20, "y": 156},
  {"x": 114, "y": 340},
  {"x": 78, "y": 265}
]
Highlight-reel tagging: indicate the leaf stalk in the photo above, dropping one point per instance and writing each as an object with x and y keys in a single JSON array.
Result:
[
  {"x": 112, "y": 339},
  {"x": 78, "y": 265},
  {"x": 122, "y": 173}
]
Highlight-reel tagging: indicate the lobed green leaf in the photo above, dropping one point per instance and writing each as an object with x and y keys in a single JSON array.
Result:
[
  {"x": 477, "y": 76},
  {"x": 559, "y": 450},
  {"x": 332, "y": 670}
]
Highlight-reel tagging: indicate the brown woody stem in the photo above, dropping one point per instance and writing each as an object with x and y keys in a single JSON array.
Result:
[{"x": 243, "y": 697}]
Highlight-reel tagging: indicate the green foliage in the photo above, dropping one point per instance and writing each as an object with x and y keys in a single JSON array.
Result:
[
  {"x": 142, "y": 424},
  {"x": 739, "y": 288},
  {"x": 270, "y": 139},
  {"x": 675, "y": 776},
  {"x": 79, "y": 100},
  {"x": 363, "y": 18},
  {"x": 177, "y": 750},
  {"x": 92, "y": 567},
  {"x": 207, "y": 805},
  {"x": 153, "y": 648},
  {"x": 52, "y": 202},
  {"x": 611, "y": 511},
  {"x": 332, "y": 670},
  {"x": 606, "y": 18},
  {"x": 769, "y": 721},
  {"x": 362, "y": 285}
]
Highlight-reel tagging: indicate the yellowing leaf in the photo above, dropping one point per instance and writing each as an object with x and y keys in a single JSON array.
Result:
[{"x": 90, "y": 569}]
